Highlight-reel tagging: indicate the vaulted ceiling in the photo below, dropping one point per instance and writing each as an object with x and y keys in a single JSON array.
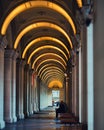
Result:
[{"x": 44, "y": 34}]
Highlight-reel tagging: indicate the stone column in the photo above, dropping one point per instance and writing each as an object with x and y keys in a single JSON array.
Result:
[
  {"x": 30, "y": 92},
  {"x": 64, "y": 86},
  {"x": 20, "y": 88},
  {"x": 90, "y": 86},
  {"x": 2, "y": 123},
  {"x": 83, "y": 77},
  {"x": 74, "y": 83},
  {"x": 14, "y": 87},
  {"x": 67, "y": 90},
  {"x": 98, "y": 47},
  {"x": 38, "y": 93},
  {"x": 26, "y": 90},
  {"x": 35, "y": 93},
  {"x": 9, "y": 87}
]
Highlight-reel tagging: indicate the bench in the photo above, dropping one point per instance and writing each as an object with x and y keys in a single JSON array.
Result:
[{"x": 68, "y": 118}]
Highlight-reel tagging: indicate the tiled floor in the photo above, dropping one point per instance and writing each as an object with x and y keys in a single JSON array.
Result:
[{"x": 40, "y": 121}]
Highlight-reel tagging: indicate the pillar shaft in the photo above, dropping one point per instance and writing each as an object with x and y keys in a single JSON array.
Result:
[
  {"x": 9, "y": 87},
  {"x": 67, "y": 91},
  {"x": 75, "y": 84},
  {"x": 20, "y": 88},
  {"x": 14, "y": 87},
  {"x": 83, "y": 77},
  {"x": 30, "y": 105},
  {"x": 26, "y": 90},
  {"x": 2, "y": 123},
  {"x": 99, "y": 65}
]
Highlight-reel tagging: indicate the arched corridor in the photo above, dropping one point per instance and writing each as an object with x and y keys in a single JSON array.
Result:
[{"x": 51, "y": 50}]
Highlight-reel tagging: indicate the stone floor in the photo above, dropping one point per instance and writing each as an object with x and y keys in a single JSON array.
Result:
[{"x": 44, "y": 120}]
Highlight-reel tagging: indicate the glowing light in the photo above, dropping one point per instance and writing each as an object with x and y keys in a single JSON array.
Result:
[
  {"x": 33, "y": 4},
  {"x": 50, "y": 76},
  {"x": 43, "y": 39},
  {"x": 55, "y": 83},
  {"x": 48, "y": 60},
  {"x": 45, "y": 47},
  {"x": 52, "y": 71},
  {"x": 46, "y": 54},
  {"x": 49, "y": 79},
  {"x": 45, "y": 66},
  {"x": 49, "y": 68},
  {"x": 79, "y": 3},
  {"x": 38, "y": 25}
]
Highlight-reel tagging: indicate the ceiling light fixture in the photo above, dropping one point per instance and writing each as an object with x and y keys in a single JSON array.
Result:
[{"x": 34, "y": 4}]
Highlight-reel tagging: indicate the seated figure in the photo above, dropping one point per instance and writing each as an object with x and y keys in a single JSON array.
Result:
[{"x": 62, "y": 108}]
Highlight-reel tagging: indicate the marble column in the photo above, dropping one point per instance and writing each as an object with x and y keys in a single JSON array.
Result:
[
  {"x": 2, "y": 123},
  {"x": 9, "y": 86},
  {"x": 20, "y": 88}
]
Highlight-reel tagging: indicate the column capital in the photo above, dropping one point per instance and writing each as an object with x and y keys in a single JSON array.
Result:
[
  {"x": 9, "y": 53},
  {"x": 27, "y": 66},
  {"x": 3, "y": 42},
  {"x": 21, "y": 62},
  {"x": 31, "y": 71},
  {"x": 15, "y": 55},
  {"x": 67, "y": 79}
]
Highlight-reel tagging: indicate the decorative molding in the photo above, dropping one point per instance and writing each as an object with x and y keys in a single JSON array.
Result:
[
  {"x": 3, "y": 42},
  {"x": 21, "y": 62}
]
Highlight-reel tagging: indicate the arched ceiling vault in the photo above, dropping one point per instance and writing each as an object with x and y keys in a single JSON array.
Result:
[
  {"x": 49, "y": 65},
  {"x": 52, "y": 60},
  {"x": 52, "y": 71},
  {"x": 50, "y": 68},
  {"x": 36, "y": 4},
  {"x": 42, "y": 32}
]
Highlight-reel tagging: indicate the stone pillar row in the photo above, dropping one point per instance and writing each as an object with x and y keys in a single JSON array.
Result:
[
  {"x": 24, "y": 90},
  {"x": 18, "y": 101},
  {"x": 16, "y": 89}
]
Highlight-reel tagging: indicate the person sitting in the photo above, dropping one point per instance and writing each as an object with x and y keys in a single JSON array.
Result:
[{"x": 62, "y": 108}]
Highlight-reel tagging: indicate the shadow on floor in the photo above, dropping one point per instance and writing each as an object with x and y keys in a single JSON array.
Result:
[{"x": 43, "y": 120}]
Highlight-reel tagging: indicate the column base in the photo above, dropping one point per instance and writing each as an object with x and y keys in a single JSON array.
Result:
[
  {"x": 15, "y": 119},
  {"x": 30, "y": 113},
  {"x": 27, "y": 115},
  {"x": 8, "y": 120},
  {"x": 21, "y": 116},
  {"x": 2, "y": 124}
]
